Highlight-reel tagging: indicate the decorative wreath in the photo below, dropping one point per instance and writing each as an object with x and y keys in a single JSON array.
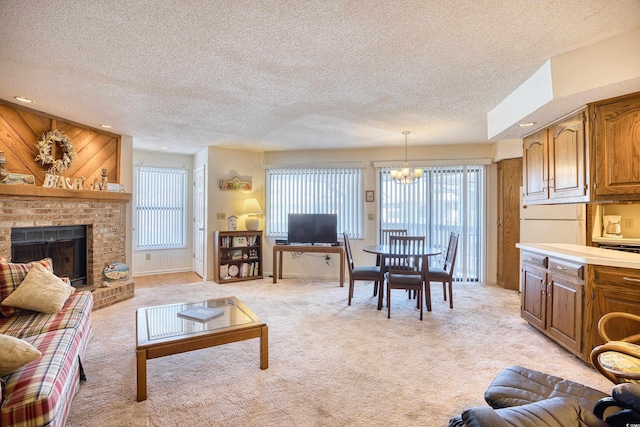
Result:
[{"x": 44, "y": 156}]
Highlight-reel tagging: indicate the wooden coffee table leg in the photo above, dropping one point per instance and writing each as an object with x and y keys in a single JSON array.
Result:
[
  {"x": 264, "y": 347},
  {"x": 141, "y": 367}
]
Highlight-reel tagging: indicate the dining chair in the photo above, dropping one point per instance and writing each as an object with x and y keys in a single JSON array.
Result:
[
  {"x": 370, "y": 273},
  {"x": 444, "y": 274},
  {"x": 384, "y": 240},
  {"x": 388, "y": 232},
  {"x": 618, "y": 360},
  {"x": 405, "y": 269}
]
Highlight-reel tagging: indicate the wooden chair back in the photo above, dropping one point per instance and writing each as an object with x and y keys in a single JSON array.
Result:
[
  {"x": 402, "y": 255},
  {"x": 347, "y": 248},
  {"x": 452, "y": 250},
  {"x": 386, "y": 233}
]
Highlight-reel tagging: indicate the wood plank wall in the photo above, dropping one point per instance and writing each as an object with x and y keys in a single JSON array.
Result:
[{"x": 21, "y": 128}]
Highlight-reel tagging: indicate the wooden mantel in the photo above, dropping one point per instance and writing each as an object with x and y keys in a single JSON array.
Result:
[{"x": 32, "y": 191}]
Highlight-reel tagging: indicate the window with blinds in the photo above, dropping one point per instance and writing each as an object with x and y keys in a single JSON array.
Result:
[
  {"x": 445, "y": 199},
  {"x": 160, "y": 207},
  {"x": 321, "y": 190}
]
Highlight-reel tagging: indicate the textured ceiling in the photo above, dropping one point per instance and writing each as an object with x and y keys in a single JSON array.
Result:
[{"x": 279, "y": 75}]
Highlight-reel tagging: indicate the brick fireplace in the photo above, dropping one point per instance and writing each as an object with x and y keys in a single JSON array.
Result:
[{"x": 104, "y": 217}]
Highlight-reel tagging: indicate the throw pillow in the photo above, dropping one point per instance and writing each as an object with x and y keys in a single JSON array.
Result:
[
  {"x": 15, "y": 354},
  {"x": 11, "y": 275},
  {"x": 41, "y": 291}
]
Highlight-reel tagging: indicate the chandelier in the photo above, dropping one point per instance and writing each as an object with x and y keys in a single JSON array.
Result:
[{"x": 406, "y": 174}]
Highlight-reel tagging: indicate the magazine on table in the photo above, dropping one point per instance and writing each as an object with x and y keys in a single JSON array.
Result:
[{"x": 201, "y": 314}]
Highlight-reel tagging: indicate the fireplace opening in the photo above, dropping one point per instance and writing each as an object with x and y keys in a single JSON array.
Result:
[{"x": 65, "y": 245}]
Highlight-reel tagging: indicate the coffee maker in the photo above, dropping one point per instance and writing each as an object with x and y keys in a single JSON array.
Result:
[{"x": 611, "y": 226}]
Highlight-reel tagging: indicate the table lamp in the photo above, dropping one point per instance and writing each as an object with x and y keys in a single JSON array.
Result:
[{"x": 251, "y": 208}]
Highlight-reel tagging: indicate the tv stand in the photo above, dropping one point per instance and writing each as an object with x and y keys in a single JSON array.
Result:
[{"x": 278, "y": 250}]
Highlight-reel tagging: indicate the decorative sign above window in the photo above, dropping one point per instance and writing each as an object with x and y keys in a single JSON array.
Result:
[{"x": 235, "y": 183}]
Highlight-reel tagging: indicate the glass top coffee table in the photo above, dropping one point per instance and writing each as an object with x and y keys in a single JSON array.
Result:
[{"x": 167, "y": 329}]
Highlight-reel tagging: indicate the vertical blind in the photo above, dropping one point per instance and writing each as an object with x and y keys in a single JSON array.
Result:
[
  {"x": 446, "y": 199},
  {"x": 160, "y": 206},
  {"x": 320, "y": 190}
]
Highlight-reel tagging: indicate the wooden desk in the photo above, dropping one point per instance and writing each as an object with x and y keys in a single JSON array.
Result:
[{"x": 279, "y": 249}]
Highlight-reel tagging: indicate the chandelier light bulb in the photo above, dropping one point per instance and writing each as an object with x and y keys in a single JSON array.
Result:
[{"x": 406, "y": 174}]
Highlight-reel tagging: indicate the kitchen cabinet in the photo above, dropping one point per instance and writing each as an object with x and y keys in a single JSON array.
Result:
[
  {"x": 534, "y": 289},
  {"x": 552, "y": 298},
  {"x": 614, "y": 289},
  {"x": 567, "y": 288},
  {"x": 555, "y": 162},
  {"x": 565, "y": 302},
  {"x": 534, "y": 167},
  {"x": 616, "y": 138},
  {"x": 592, "y": 155}
]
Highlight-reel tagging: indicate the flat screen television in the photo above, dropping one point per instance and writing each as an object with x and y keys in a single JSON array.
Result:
[{"x": 313, "y": 228}]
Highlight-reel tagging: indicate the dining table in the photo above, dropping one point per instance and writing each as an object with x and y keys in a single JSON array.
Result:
[{"x": 385, "y": 250}]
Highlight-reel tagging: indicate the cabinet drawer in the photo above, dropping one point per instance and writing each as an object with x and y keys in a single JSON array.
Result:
[
  {"x": 616, "y": 275},
  {"x": 567, "y": 268},
  {"x": 535, "y": 259}
]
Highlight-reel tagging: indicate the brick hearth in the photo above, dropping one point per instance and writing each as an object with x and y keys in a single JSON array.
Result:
[
  {"x": 106, "y": 234},
  {"x": 119, "y": 291}
]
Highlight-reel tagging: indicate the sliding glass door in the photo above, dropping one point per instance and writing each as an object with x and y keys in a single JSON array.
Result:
[{"x": 445, "y": 199}]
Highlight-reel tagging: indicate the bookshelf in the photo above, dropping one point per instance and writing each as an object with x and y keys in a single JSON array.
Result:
[{"x": 237, "y": 256}]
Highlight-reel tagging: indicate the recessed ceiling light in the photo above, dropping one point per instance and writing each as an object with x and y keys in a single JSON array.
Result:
[
  {"x": 106, "y": 126},
  {"x": 526, "y": 124},
  {"x": 23, "y": 99},
  {"x": 164, "y": 148}
]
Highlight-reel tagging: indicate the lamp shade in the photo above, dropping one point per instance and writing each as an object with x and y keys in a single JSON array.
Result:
[{"x": 251, "y": 206}]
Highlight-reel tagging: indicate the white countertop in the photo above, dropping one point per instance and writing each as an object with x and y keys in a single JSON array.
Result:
[{"x": 585, "y": 254}]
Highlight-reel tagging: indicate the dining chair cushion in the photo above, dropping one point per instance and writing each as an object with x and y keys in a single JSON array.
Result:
[
  {"x": 366, "y": 271},
  {"x": 436, "y": 273},
  {"x": 405, "y": 279},
  {"x": 613, "y": 360}
]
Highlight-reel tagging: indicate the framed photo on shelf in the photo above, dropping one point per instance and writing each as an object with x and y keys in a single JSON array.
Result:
[
  {"x": 233, "y": 255},
  {"x": 224, "y": 271},
  {"x": 239, "y": 242},
  {"x": 368, "y": 196},
  {"x": 232, "y": 223}
]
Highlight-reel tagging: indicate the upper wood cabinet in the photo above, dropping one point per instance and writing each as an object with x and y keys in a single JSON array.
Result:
[
  {"x": 589, "y": 156},
  {"x": 535, "y": 167},
  {"x": 616, "y": 137},
  {"x": 555, "y": 162},
  {"x": 567, "y": 158}
]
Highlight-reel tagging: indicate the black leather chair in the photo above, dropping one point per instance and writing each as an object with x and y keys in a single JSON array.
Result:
[
  {"x": 520, "y": 397},
  {"x": 524, "y": 397}
]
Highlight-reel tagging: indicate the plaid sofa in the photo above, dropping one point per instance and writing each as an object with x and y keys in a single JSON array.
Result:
[{"x": 40, "y": 393}]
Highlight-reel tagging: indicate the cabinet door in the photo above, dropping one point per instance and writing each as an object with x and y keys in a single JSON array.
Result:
[
  {"x": 610, "y": 299},
  {"x": 614, "y": 289},
  {"x": 534, "y": 167},
  {"x": 564, "y": 312},
  {"x": 567, "y": 142},
  {"x": 534, "y": 298},
  {"x": 617, "y": 147}
]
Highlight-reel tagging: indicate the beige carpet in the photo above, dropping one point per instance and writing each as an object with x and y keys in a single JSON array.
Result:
[{"x": 329, "y": 364}]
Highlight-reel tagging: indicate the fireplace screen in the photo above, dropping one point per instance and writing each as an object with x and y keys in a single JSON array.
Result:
[{"x": 65, "y": 245}]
